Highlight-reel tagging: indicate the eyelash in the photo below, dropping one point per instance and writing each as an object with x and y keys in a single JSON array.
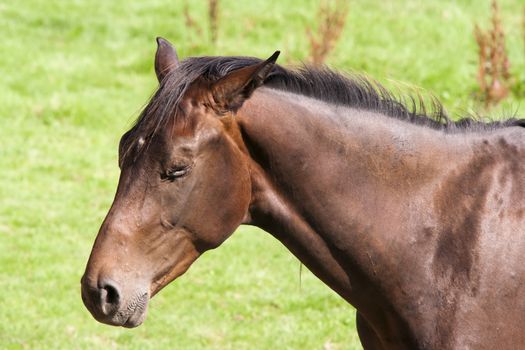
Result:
[{"x": 175, "y": 173}]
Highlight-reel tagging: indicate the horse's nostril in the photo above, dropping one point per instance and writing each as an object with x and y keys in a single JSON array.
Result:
[
  {"x": 109, "y": 297},
  {"x": 112, "y": 295}
]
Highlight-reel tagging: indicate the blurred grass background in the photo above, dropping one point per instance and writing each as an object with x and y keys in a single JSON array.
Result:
[{"x": 75, "y": 74}]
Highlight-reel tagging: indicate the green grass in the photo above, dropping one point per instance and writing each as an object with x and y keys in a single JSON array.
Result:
[{"x": 74, "y": 74}]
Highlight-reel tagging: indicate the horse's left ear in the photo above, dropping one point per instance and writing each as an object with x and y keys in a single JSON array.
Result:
[
  {"x": 230, "y": 91},
  {"x": 166, "y": 58}
]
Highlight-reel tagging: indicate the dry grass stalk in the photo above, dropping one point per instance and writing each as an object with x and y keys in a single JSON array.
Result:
[
  {"x": 213, "y": 15},
  {"x": 493, "y": 62},
  {"x": 189, "y": 21},
  {"x": 332, "y": 21}
]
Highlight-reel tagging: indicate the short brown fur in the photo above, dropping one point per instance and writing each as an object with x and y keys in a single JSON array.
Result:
[{"x": 416, "y": 221}]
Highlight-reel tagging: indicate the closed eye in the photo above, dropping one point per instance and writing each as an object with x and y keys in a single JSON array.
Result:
[{"x": 175, "y": 172}]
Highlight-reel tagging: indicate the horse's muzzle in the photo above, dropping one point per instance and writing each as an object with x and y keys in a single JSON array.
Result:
[{"x": 106, "y": 302}]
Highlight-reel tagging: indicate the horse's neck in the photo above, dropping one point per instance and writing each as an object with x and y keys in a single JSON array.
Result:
[{"x": 340, "y": 191}]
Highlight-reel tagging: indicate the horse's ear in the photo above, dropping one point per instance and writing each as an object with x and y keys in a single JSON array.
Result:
[
  {"x": 230, "y": 91},
  {"x": 165, "y": 59}
]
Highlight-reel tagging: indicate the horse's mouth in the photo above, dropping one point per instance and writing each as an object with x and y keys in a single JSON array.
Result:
[
  {"x": 130, "y": 315},
  {"x": 134, "y": 314}
]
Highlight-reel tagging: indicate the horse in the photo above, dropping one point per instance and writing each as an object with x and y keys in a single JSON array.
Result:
[{"x": 414, "y": 219}]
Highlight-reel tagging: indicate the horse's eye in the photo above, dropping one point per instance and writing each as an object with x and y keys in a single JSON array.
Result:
[{"x": 175, "y": 172}]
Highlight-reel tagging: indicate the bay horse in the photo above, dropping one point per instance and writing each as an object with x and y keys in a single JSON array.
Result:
[{"x": 415, "y": 220}]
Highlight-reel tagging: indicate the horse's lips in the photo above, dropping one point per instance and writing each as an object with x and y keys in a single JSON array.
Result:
[
  {"x": 134, "y": 320},
  {"x": 136, "y": 312}
]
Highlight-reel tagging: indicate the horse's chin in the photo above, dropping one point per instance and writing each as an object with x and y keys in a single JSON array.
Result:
[
  {"x": 134, "y": 312},
  {"x": 137, "y": 318}
]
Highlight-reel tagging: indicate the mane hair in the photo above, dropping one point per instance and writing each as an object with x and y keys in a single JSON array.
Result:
[{"x": 322, "y": 83}]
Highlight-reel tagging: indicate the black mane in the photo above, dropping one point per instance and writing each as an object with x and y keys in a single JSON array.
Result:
[{"x": 321, "y": 83}]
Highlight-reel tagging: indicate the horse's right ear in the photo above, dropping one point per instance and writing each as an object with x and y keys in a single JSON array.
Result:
[
  {"x": 166, "y": 58},
  {"x": 230, "y": 91}
]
